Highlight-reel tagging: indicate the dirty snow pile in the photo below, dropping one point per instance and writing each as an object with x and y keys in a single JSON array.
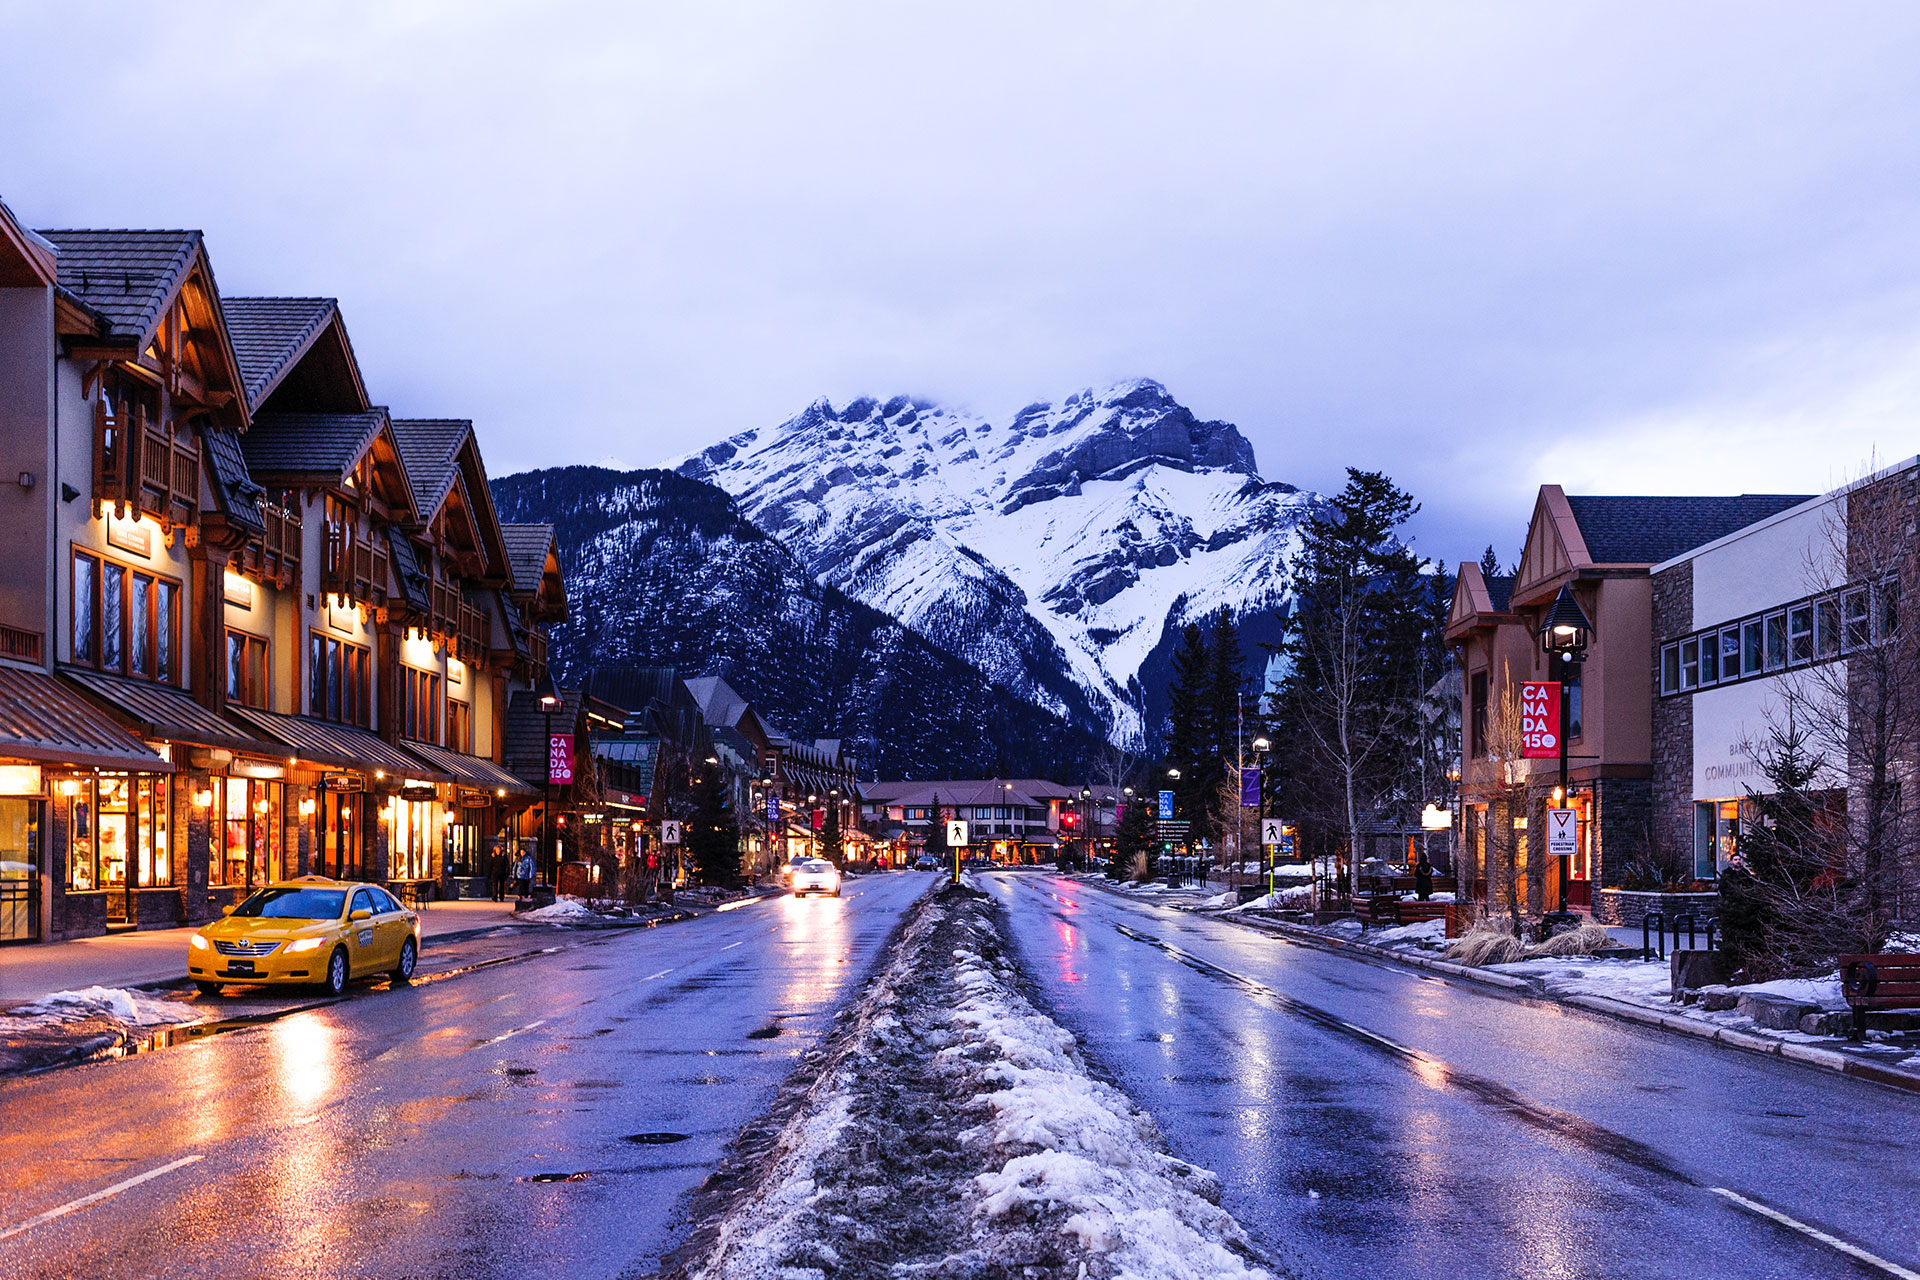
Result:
[
  {"x": 947, "y": 1128},
  {"x": 563, "y": 911},
  {"x": 1634, "y": 981},
  {"x": 115, "y": 1004}
]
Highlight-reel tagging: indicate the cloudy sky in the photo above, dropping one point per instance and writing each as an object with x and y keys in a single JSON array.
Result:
[{"x": 1625, "y": 248}]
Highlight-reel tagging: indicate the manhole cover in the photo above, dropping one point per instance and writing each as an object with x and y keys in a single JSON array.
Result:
[
  {"x": 555, "y": 1177},
  {"x": 656, "y": 1139}
]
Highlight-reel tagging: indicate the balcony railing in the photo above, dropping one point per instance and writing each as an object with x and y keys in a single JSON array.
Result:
[
  {"x": 140, "y": 465},
  {"x": 275, "y": 555},
  {"x": 19, "y": 644},
  {"x": 355, "y": 568}
]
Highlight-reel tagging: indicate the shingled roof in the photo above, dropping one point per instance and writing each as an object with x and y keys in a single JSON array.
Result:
[
  {"x": 310, "y": 443},
  {"x": 233, "y": 484},
  {"x": 1499, "y": 592},
  {"x": 1649, "y": 530},
  {"x": 527, "y": 547},
  {"x": 126, "y": 276},
  {"x": 429, "y": 449},
  {"x": 268, "y": 333}
]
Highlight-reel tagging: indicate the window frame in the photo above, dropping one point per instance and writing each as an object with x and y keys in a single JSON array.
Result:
[
  {"x": 255, "y": 670},
  {"x": 151, "y": 624},
  {"x": 339, "y": 680},
  {"x": 1670, "y": 668}
]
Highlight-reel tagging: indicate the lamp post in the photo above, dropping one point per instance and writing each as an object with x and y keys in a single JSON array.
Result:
[
  {"x": 1260, "y": 748},
  {"x": 1564, "y": 633},
  {"x": 549, "y": 702},
  {"x": 1174, "y": 776}
]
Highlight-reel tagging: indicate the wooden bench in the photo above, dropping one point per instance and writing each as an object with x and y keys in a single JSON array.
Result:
[
  {"x": 1383, "y": 907},
  {"x": 1888, "y": 981}
]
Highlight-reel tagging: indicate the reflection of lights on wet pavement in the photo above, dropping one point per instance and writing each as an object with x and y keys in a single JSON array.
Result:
[
  {"x": 305, "y": 1045},
  {"x": 1070, "y": 942}
]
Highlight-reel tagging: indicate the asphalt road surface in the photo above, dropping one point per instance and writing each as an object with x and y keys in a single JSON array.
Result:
[
  {"x": 540, "y": 1118},
  {"x": 1372, "y": 1121}
]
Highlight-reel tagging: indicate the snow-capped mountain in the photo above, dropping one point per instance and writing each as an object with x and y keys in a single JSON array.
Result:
[
  {"x": 1059, "y": 552},
  {"x": 663, "y": 571}
]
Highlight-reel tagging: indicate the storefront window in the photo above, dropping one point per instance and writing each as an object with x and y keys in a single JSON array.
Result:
[
  {"x": 19, "y": 869},
  {"x": 113, "y": 820},
  {"x": 463, "y": 848},
  {"x": 249, "y": 825},
  {"x": 83, "y": 869},
  {"x": 412, "y": 849},
  {"x": 153, "y": 805}
]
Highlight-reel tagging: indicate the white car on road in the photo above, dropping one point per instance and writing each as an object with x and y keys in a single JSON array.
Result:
[{"x": 816, "y": 875}]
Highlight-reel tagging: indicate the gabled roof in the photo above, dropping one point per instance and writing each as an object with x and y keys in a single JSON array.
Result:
[
  {"x": 126, "y": 276},
  {"x": 311, "y": 444},
  {"x": 273, "y": 336},
  {"x": 26, "y": 260},
  {"x": 1621, "y": 530},
  {"x": 528, "y": 546},
  {"x": 1476, "y": 597},
  {"x": 430, "y": 449}
]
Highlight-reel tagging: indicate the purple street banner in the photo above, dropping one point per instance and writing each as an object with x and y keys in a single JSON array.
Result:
[{"x": 1250, "y": 787}]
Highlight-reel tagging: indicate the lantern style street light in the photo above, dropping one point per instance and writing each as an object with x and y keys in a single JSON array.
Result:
[{"x": 1564, "y": 633}]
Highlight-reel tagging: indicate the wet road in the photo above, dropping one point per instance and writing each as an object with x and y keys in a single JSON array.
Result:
[
  {"x": 408, "y": 1132},
  {"x": 1368, "y": 1120}
]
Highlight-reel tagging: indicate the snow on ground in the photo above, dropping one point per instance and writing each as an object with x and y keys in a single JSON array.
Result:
[
  {"x": 1824, "y": 992},
  {"x": 1217, "y": 902},
  {"x": 1298, "y": 896},
  {"x": 1635, "y": 981},
  {"x": 949, "y": 1128},
  {"x": 131, "y": 1008},
  {"x": 563, "y": 911},
  {"x": 1425, "y": 931}
]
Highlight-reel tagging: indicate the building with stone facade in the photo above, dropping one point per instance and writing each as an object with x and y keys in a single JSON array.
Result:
[{"x": 1605, "y": 549}]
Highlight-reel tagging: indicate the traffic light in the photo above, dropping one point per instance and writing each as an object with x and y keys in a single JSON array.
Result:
[{"x": 1069, "y": 820}]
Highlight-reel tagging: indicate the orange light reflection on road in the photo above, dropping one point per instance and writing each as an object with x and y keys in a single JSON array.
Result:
[
  {"x": 304, "y": 1044},
  {"x": 1069, "y": 943}
]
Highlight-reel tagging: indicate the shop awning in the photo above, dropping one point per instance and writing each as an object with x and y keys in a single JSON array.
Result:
[
  {"x": 475, "y": 770},
  {"x": 41, "y": 719},
  {"x": 169, "y": 713},
  {"x": 341, "y": 745}
]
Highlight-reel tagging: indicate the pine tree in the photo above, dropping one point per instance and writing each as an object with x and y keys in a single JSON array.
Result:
[
  {"x": 1348, "y": 712},
  {"x": 1191, "y": 725},
  {"x": 935, "y": 839},
  {"x": 1226, "y": 685},
  {"x": 1133, "y": 837},
  {"x": 1489, "y": 563},
  {"x": 711, "y": 835},
  {"x": 833, "y": 840}
]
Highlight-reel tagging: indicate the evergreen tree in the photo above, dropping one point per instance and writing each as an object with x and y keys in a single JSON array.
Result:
[
  {"x": 1356, "y": 641},
  {"x": 1191, "y": 726},
  {"x": 1489, "y": 563},
  {"x": 1226, "y": 686},
  {"x": 833, "y": 840},
  {"x": 711, "y": 832},
  {"x": 935, "y": 839},
  {"x": 1776, "y": 902},
  {"x": 1133, "y": 837}
]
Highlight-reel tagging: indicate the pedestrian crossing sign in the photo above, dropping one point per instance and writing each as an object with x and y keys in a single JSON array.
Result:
[
  {"x": 669, "y": 833},
  {"x": 1271, "y": 830},
  {"x": 956, "y": 834}
]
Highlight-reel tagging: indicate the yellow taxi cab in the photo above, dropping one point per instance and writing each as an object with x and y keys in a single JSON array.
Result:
[{"x": 309, "y": 930}]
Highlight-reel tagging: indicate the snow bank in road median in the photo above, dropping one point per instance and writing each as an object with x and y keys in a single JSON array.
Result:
[
  {"x": 563, "y": 911},
  {"x": 946, "y": 1128}
]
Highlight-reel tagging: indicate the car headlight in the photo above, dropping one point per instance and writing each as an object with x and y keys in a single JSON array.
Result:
[
  {"x": 198, "y": 942},
  {"x": 307, "y": 944}
]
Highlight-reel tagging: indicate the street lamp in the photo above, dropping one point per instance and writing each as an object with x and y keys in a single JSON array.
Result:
[
  {"x": 1260, "y": 749},
  {"x": 1564, "y": 633},
  {"x": 549, "y": 703}
]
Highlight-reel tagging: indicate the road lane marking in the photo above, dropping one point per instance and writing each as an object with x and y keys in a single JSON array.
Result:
[
  {"x": 102, "y": 1194},
  {"x": 537, "y": 1022},
  {"x": 663, "y": 973},
  {"x": 731, "y": 945},
  {"x": 1853, "y": 1251}
]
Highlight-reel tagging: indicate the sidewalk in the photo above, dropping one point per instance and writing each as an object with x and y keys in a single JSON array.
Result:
[{"x": 151, "y": 956}]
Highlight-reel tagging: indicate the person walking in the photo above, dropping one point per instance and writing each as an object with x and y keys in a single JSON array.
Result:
[
  {"x": 1423, "y": 878},
  {"x": 523, "y": 875},
  {"x": 497, "y": 870}
]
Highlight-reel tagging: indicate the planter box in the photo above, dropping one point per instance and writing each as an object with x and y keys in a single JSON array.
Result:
[{"x": 1628, "y": 906}]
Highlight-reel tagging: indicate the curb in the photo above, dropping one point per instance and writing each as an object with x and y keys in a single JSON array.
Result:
[{"x": 1788, "y": 1050}]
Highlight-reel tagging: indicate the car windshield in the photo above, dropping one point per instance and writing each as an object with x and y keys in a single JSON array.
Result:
[
  {"x": 294, "y": 904},
  {"x": 817, "y": 867}
]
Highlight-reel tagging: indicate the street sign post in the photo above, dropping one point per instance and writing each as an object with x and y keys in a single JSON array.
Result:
[
  {"x": 956, "y": 841},
  {"x": 1563, "y": 827},
  {"x": 1272, "y": 831},
  {"x": 1540, "y": 719}
]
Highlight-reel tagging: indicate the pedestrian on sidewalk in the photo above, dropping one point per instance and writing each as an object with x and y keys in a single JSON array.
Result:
[
  {"x": 497, "y": 870},
  {"x": 1423, "y": 878},
  {"x": 523, "y": 875}
]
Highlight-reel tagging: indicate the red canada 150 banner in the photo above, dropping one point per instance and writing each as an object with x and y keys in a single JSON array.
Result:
[{"x": 1540, "y": 720}]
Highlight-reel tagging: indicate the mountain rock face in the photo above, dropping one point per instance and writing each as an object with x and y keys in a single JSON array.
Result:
[
  {"x": 1059, "y": 552},
  {"x": 664, "y": 571}
]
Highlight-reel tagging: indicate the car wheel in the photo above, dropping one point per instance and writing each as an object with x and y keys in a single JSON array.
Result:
[
  {"x": 208, "y": 988},
  {"x": 336, "y": 979},
  {"x": 409, "y": 956}
]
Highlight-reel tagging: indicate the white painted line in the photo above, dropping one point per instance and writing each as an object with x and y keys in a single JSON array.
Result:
[
  {"x": 102, "y": 1194},
  {"x": 650, "y": 977},
  {"x": 537, "y": 1022},
  {"x": 1853, "y": 1251},
  {"x": 731, "y": 945}
]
